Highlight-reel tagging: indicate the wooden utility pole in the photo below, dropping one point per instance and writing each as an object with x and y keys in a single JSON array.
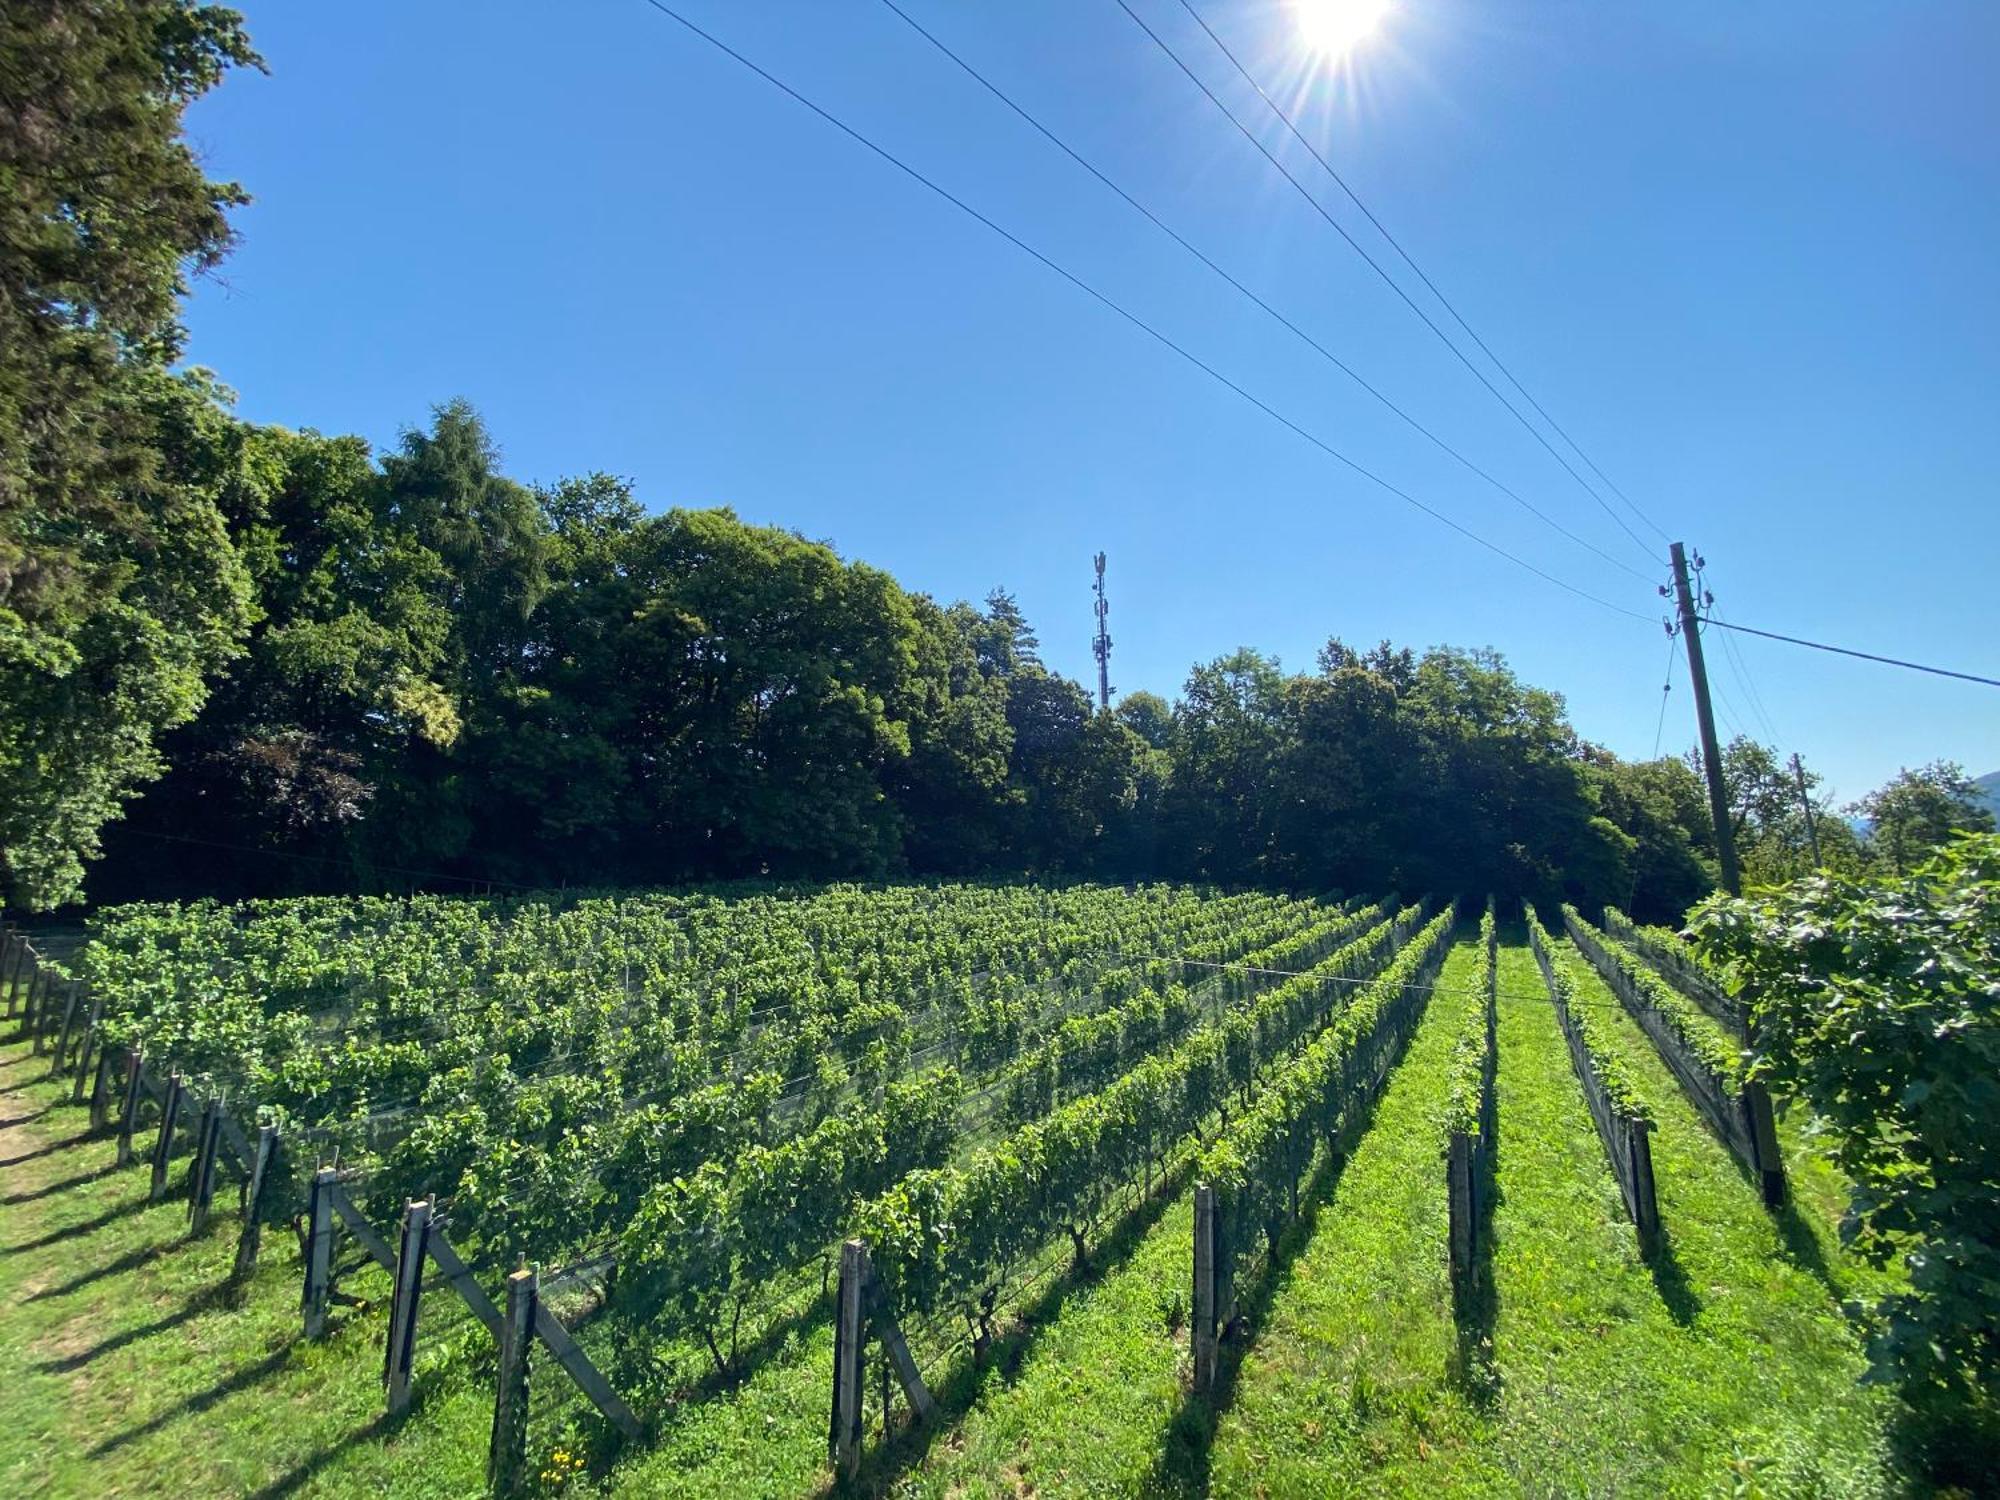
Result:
[
  {"x": 1805, "y": 802},
  {"x": 1711, "y": 753}
]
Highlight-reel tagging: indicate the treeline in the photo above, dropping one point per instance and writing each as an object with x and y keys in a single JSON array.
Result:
[
  {"x": 428, "y": 673},
  {"x": 237, "y": 659}
]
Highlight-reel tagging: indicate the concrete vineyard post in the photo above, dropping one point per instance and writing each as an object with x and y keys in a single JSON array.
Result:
[{"x": 1206, "y": 1314}]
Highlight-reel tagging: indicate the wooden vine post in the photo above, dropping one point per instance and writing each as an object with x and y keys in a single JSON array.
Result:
[
  {"x": 67, "y": 1029},
  {"x": 844, "y": 1432},
  {"x": 31, "y": 1013},
  {"x": 100, "y": 1091},
  {"x": 507, "y": 1455},
  {"x": 859, "y": 1308},
  {"x": 45, "y": 1014},
  {"x": 163, "y": 1146},
  {"x": 252, "y": 1234},
  {"x": 128, "y": 1112},
  {"x": 1207, "y": 1315},
  {"x": 11, "y": 949},
  {"x": 1763, "y": 1128},
  {"x": 1464, "y": 1208},
  {"x": 201, "y": 1176},
  {"x": 319, "y": 1250},
  {"x": 88, "y": 1046},
  {"x": 400, "y": 1352}
]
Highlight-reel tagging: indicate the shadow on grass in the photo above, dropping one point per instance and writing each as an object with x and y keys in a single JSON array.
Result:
[
  {"x": 50, "y": 1108},
  {"x": 1670, "y": 1280},
  {"x": 1802, "y": 1248},
  {"x": 1950, "y": 1439},
  {"x": 230, "y": 1385},
  {"x": 74, "y": 1231},
  {"x": 1188, "y": 1450},
  {"x": 50, "y": 1189},
  {"x": 49, "y": 1150},
  {"x": 1475, "y": 1307},
  {"x": 309, "y": 1469},
  {"x": 750, "y": 1357},
  {"x": 885, "y": 1465},
  {"x": 201, "y": 1302},
  {"x": 131, "y": 1260}
]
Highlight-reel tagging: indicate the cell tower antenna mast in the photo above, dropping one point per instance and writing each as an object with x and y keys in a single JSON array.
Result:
[{"x": 1101, "y": 647}]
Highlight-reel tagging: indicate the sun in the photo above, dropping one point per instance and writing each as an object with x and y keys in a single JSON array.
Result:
[{"x": 1335, "y": 26}]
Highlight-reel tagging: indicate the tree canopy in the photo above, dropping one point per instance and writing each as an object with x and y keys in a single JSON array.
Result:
[
  {"x": 121, "y": 591},
  {"x": 239, "y": 659}
]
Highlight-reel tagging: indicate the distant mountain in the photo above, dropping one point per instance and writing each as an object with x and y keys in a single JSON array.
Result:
[
  {"x": 1989, "y": 792},
  {"x": 1988, "y": 795}
]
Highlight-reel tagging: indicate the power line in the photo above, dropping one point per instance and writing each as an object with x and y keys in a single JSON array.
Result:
[
  {"x": 1408, "y": 260},
  {"x": 1388, "y": 280},
  {"x": 1740, "y": 669},
  {"x": 1728, "y": 707},
  {"x": 1887, "y": 661},
  {"x": 1666, "y": 689},
  {"x": 1122, "y": 311},
  {"x": 1325, "y": 353}
]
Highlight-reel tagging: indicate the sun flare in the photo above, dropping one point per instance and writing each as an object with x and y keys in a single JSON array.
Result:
[{"x": 1334, "y": 27}]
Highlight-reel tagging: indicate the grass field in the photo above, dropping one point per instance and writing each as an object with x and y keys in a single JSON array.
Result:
[
  {"x": 1720, "y": 1365},
  {"x": 130, "y": 1374}
]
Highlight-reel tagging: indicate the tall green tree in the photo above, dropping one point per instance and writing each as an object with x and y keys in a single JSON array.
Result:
[
  {"x": 1661, "y": 808},
  {"x": 953, "y": 792},
  {"x": 1918, "y": 811},
  {"x": 1147, "y": 715},
  {"x": 344, "y": 677},
  {"x": 149, "y": 611},
  {"x": 1231, "y": 741},
  {"x": 119, "y": 592}
]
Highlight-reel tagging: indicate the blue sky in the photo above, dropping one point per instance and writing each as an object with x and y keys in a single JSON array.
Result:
[{"x": 1744, "y": 254}]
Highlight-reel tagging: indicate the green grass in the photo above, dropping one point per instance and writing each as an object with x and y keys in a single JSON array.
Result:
[
  {"x": 1722, "y": 1364},
  {"x": 133, "y": 1372},
  {"x": 1083, "y": 1403},
  {"x": 1095, "y": 1401},
  {"x": 1726, "y": 1358},
  {"x": 1346, "y": 1385}
]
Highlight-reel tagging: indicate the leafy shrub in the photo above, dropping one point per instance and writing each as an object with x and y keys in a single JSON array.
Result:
[{"x": 1877, "y": 1001}]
